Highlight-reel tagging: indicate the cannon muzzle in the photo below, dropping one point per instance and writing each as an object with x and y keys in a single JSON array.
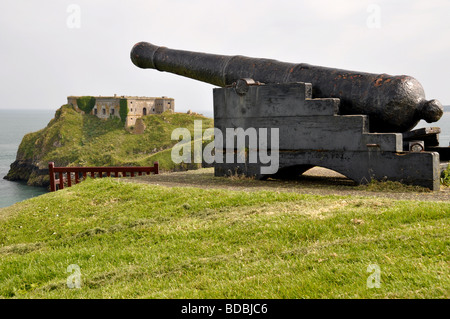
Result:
[{"x": 392, "y": 103}]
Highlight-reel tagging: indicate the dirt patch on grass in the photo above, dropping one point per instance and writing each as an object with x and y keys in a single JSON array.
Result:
[{"x": 318, "y": 180}]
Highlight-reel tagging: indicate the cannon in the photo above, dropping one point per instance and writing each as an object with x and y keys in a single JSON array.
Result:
[
  {"x": 392, "y": 103},
  {"x": 358, "y": 124}
]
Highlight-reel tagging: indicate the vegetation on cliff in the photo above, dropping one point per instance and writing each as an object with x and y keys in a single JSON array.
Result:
[
  {"x": 123, "y": 110},
  {"x": 75, "y": 139},
  {"x": 86, "y": 103}
]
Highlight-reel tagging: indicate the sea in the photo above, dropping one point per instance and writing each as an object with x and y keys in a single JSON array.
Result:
[{"x": 14, "y": 124}]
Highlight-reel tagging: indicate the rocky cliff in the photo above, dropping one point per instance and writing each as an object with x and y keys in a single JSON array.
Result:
[{"x": 75, "y": 139}]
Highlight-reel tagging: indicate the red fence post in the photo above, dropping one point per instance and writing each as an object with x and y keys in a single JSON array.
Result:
[
  {"x": 61, "y": 180},
  {"x": 51, "y": 165},
  {"x": 99, "y": 171}
]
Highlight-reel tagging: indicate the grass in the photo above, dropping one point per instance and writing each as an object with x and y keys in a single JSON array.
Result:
[
  {"x": 392, "y": 186},
  {"x": 143, "y": 241},
  {"x": 445, "y": 177}
]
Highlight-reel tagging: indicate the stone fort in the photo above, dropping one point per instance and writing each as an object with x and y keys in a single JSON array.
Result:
[{"x": 109, "y": 106}]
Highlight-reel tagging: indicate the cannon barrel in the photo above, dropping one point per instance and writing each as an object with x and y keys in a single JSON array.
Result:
[{"x": 392, "y": 103}]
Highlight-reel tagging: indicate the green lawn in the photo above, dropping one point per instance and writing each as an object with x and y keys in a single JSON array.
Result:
[{"x": 141, "y": 241}]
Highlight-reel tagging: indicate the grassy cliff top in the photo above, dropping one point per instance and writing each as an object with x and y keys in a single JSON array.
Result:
[
  {"x": 75, "y": 139},
  {"x": 133, "y": 240}
]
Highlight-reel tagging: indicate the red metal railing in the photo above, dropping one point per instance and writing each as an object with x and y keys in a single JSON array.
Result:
[{"x": 80, "y": 173}]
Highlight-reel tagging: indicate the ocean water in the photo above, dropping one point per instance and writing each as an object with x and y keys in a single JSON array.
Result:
[
  {"x": 444, "y": 124},
  {"x": 14, "y": 124}
]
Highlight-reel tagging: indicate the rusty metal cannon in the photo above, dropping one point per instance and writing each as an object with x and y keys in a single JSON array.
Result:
[
  {"x": 392, "y": 103},
  {"x": 358, "y": 124}
]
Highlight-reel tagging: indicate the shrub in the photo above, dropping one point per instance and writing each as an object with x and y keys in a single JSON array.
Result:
[
  {"x": 445, "y": 177},
  {"x": 123, "y": 111},
  {"x": 86, "y": 103}
]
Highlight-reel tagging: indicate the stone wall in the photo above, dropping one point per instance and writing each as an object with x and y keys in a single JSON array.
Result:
[
  {"x": 108, "y": 106},
  {"x": 140, "y": 106}
]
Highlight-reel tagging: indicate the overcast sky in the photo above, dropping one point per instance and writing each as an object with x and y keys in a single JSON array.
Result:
[{"x": 54, "y": 48}]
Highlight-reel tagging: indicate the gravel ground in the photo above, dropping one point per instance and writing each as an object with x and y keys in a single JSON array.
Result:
[{"x": 317, "y": 180}]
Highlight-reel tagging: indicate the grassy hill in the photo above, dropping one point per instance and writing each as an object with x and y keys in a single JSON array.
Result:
[
  {"x": 72, "y": 139},
  {"x": 133, "y": 240}
]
